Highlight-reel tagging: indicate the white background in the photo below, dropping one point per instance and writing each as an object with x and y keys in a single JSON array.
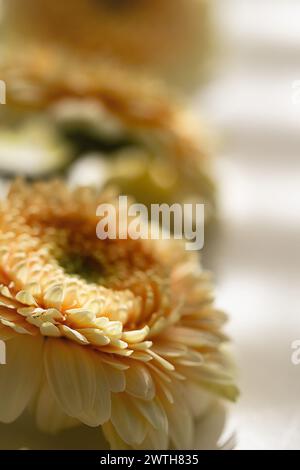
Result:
[{"x": 256, "y": 251}]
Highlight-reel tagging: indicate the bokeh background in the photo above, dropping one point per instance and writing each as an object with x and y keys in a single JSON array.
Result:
[
  {"x": 256, "y": 254},
  {"x": 254, "y": 249}
]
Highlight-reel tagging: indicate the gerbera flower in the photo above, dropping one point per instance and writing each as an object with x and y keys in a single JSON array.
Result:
[
  {"x": 120, "y": 334},
  {"x": 160, "y": 37},
  {"x": 107, "y": 111}
]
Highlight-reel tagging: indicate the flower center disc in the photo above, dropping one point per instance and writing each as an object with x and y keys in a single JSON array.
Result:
[{"x": 84, "y": 266}]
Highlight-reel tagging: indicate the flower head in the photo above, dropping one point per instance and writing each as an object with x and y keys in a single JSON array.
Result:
[
  {"x": 121, "y": 334},
  {"x": 163, "y": 38},
  {"x": 130, "y": 120}
]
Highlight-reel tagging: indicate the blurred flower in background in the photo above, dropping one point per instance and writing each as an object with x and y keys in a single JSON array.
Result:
[
  {"x": 141, "y": 137},
  {"x": 171, "y": 39}
]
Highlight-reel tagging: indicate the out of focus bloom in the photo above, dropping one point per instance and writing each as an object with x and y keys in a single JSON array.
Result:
[
  {"x": 161, "y": 154},
  {"x": 32, "y": 148},
  {"x": 163, "y": 38},
  {"x": 120, "y": 334}
]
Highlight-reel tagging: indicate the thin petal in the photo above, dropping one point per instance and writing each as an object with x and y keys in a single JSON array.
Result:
[
  {"x": 129, "y": 424},
  {"x": 101, "y": 410},
  {"x": 49, "y": 416},
  {"x": 139, "y": 382},
  {"x": 181, "y": 425},
  {"x": 155, "y": 441},
  {"x": 115, "y": 441},
  {"x": 20, "y": 377},
  {"x": 154, "y": 413},
  {"x": 115, "y": 377},
  {"x": 71, "y": 375},
  {"x": 198, "y": 399}
]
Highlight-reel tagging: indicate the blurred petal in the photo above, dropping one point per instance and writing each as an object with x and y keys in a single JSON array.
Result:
[
  {"x": 130, "y": 425},
  {"x": 49, "y": 415},
  {"x": 72, "y": 378},
  {"x": 20, "y": 377}
]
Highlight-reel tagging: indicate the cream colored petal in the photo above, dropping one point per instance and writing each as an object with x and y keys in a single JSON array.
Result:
[
  {"x": 198, "y": 399},
  {"x": 34, "y": 288},
  {"x": 136, "y": 336},
  {"x": 164, "y": 390},
  {"x": 8, "y": 303},
  {"x": 49, "y": 416},
  {"x": 117, "y": 343},
  {"x": 115, "y": 377},
  {"x": 142, "y": 356},
  {"x": 20, "y": 377},
  {"x": 190, "y": 359},
  {"x": 48, "y": 329},
  {"x": 114, "y": 362},
  {"x": 101, "y": 409},
  {"x": 139, "y": 382},
  {"x": 154, "y": 412},
  {"x": 143, "y": 346},
  {"x": 4, "y": 290},
  {"x": 129, "y": 424},
  {"x": 181, "y": 424},
  {"x": 102, "y": 322},
  {"x": 95, "y": 337},
  {"x": 26, "y": 298},
  {"x": 227, "y": 389},
  {"x": 53, "y": 315},
  {"x": 214, "y": 379},
  {"x": 18, "y": 328},
  {"x": 21, "y": 272},
  {"x": 114, "y": 329},
  {"x": 155, "y": 441},
  {"x": 73, "y": 334},
  {"x": 115, "y": 441},
  {"x": 164, "y": 375},
  {"x": 71, "y": 375},
  {"x": 172, "y": 350},
  {"x": 54, "y": 296},
  {"x": 162, "y": 362},
  {"x": 80, "y": 317},
  {"x": 118, "y": 352},
  {"x": 191, "y": 337},
  {"x": 28, "y": 311}
]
